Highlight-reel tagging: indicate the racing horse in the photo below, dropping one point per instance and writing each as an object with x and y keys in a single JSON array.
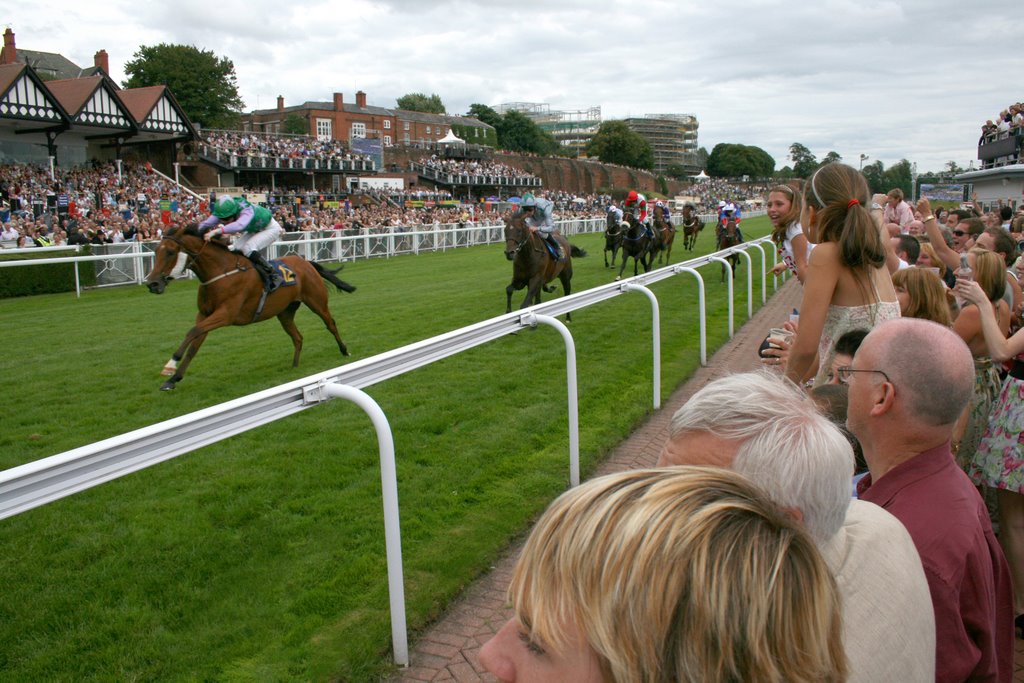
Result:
[
  {"x": 231, "y": 292},
  {"x": 667, "y": 233},
  {"x": 638, "y": 243},
  {"x": 692, "y": 225},
  {"x": 612, "y": 238},
  {"x": 728, "y": 236},
  {"x": 533, "y": 266}
]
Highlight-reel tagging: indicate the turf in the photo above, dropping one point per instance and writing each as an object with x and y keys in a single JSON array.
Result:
[{"x": 262, "y": 557}]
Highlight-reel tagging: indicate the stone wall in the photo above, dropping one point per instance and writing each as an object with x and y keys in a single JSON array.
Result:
[{"x": 579, "y": 176}]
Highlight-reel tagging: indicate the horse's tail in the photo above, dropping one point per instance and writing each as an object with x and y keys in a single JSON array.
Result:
[
  {"x": 576, "y": 251},
  {"x": 331, "y": 276}
]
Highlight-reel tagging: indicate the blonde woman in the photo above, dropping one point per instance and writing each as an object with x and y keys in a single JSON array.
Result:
[
  {"x": 990, "y": 273},
  {"x": 922, "y": 294},
  {"x": 784, "y": 207},
  {"x": 847, "y": 285},
  {"x": 674, "y": 574}
]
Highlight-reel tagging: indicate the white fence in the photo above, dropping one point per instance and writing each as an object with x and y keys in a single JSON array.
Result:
[
  {"x": 129, "y": 262},
  {"x": 43, "y": 481}
]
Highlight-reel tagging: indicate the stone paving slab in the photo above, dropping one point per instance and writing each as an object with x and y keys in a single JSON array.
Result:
[{"x": 448, "y": 650}]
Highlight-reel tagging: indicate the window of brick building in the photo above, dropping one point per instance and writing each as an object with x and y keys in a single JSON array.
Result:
[
  {"x": 324, "y": 129},
  {"x": 387, "y": 124},
  {"x": 358, "y": 130}
]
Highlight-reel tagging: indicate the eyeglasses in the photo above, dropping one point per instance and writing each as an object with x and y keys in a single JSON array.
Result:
[
  {"x": 959, "y": 233},
  {"x": 845, "y": 373}
]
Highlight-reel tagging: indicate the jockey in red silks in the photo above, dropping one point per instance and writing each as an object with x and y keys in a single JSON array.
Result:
[{"x": 637, "y": 204}]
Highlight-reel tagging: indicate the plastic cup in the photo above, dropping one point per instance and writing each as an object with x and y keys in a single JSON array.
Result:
[{"x": 779, "y": 333}]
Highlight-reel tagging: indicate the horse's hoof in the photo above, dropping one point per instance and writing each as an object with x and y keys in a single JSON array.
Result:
[
  {"x": 167, "y": 386},
  {"x": 618, "y": 277}
]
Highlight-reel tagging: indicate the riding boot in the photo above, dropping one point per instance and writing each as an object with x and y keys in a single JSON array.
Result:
[
  {"x": 267, "y": 273},
  {"x": 559, "y": 255}
]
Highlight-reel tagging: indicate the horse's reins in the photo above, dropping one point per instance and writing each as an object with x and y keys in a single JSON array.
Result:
[{"x": 192, "y": 256}]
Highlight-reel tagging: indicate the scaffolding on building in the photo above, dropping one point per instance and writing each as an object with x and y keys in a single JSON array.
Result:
[
  {"x": 673, "y": 140},
  {"x": 572, "y": 128}
]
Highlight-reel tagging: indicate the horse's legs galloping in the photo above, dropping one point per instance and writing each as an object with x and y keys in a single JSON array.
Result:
[
  {"x": 315, "y": 298},
  {"x": 287, "y": 320},
  {"x": 194, "y": 338}
]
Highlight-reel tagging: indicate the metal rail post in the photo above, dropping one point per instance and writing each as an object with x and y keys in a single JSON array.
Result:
[
  {"x": 656, "y": 334},
  {"x": 728, "y": 279},
  {"x": 701, "y": 311},
  {"x": 531, "y": 320}
]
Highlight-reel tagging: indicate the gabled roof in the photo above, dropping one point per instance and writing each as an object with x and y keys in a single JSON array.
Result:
[
  {"x": 155, "y": 110},
  {"x": 23, "y": 95},
  {"x": 92, "y": 101}
]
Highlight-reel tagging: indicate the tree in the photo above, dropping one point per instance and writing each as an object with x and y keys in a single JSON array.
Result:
[
  {"x": 732, "y": 161},
  {"x": 417, "y": 101},
  {"x": 615, "y": 143},
  {"x": 295, "y": 124},
  {"x": 676, "y": 171},
  {"x": 518, "y": 133},
  {"x": 204, "y": 84},
  {"x": 953, "y": 168},
  {"x": 831, "y": 158},
  {"x": 485, "y": 114},
  {"x": 899, "y": 175},
  {"x": 874, "y": 173},
  {"x": 804, "y": 163}
]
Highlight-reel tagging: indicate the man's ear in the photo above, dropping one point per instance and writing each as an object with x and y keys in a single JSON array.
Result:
[{"x": 884, "y": 400}]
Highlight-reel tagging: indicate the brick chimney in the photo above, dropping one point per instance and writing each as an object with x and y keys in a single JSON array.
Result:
[
  {"x": 280, "y": 102},
  {"x": 10, "y": 53},
  {"x": 339, "y": 102},
  {"x": 100, "y": 60},
  {"x": 361, "y": 99}
]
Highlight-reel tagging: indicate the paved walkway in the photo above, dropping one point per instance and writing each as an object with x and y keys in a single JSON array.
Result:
[{"x": 448, "y": 650}]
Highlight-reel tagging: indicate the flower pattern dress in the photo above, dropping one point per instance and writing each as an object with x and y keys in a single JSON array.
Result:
[
  {"x": 986, "y": 391},
  {"x": 999, "y": 460}
]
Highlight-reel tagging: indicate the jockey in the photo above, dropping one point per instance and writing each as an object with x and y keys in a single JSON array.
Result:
[
  {"x": 616, "y": 212},
  {"x": 539, "y": 214},
  {"x": 258, "y": 228},
  {"x": 662, "y": 207},
  {"x": 637, "y": 203},
  {"x": 727, "y": 213}
]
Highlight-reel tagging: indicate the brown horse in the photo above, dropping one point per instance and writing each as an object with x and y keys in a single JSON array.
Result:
[
  {"x": 533, "y": 266},
  {"x": 612, "y": 237},
  {"x": 728, "y": 236},
  {"x": 230, "y": 292},
  {"x": 636, "y": 242},
  {"x": 692, "y": 225},
  {"x": 668, "y": 235}
]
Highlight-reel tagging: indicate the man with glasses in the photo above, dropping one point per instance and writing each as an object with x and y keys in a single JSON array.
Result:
[
  {"x": 904, "y": 416},
  {"x": 770, "y": 430}
]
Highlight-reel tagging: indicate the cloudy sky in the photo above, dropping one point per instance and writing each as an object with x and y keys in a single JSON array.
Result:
[{"x": 892, "y": 80}]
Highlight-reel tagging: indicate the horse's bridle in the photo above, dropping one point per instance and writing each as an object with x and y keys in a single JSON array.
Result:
[{"x": 192, "y": 256}]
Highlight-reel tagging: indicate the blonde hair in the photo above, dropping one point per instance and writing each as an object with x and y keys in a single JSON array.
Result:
[
  {"x": 680, "y": 574},
  {"x": 796, "y": 206},
  {"x": 927, "y": 295},
  {"x": 934, "y": 258},
  {"x": 990, "y": 273}
]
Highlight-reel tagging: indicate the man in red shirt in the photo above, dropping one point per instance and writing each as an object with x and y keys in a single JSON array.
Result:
[{"x": 904, "y": 418}]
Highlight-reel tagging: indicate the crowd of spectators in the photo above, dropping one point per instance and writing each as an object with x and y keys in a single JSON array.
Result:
[
  {"x": 251, "y": 144},
  {"x": 473, "y": 168},
  {"x": 88, "y": 204},
  {"x": 713, "y": 190},
  {"x": 905, "y": 276},
  {"x": 1008, "y": 121}
]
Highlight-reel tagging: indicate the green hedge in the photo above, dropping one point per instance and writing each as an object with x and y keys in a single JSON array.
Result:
[{"x": 45, "y": 279}]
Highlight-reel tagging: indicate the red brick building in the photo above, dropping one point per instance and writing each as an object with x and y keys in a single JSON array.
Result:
[{"x": 340, "y": 120}]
